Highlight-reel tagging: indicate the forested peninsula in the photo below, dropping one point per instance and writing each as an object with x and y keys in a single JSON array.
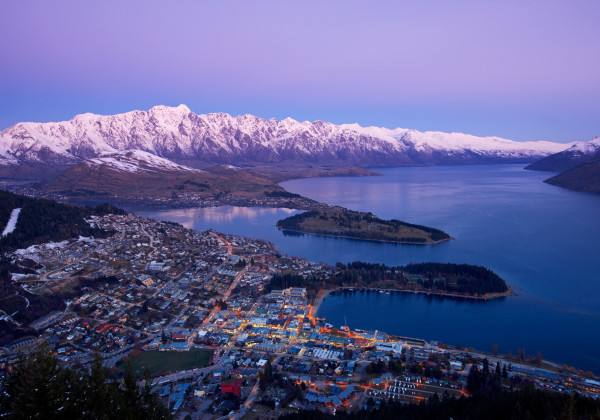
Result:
[
  {"x": 344, "y": 223},
  {"x": 461, "y": 280}
]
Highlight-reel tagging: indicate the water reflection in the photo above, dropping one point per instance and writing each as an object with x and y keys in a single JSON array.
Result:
[
  {"x": 255, "y": 222},
  {"x": 192, "y": 217}
]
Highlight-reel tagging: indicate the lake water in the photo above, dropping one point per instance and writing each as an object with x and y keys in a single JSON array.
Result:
[{"x": 543, "y": 240}]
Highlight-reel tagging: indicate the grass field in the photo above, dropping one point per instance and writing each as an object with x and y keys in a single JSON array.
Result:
[{"x": 159, "y": 362}]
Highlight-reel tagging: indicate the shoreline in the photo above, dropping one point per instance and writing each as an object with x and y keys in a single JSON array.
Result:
[
  {"x": 326, "y": 292},
  {"x": 366, "y": 239},
  {"x": 319, "y": 300}
]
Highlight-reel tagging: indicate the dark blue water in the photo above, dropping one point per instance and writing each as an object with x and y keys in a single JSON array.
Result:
[{"x": 542, "y": 239}]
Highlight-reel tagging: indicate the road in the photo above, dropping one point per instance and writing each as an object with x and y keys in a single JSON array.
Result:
[{"x": 234, "y": 283}]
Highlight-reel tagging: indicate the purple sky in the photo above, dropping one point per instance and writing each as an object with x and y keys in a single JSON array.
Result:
[{"x": 526, "y": 70}]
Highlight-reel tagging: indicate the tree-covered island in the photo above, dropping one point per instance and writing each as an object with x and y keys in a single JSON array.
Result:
[{"x": 341, "y": 222}]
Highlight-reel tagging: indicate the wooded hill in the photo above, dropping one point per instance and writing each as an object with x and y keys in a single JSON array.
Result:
[{"x": 43, "y": 220}]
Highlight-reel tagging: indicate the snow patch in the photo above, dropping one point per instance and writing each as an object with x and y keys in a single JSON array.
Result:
[
  {"x": 138, "y": 161},
  {"x": 33, "y": 251},
  {"x": 12, "y": 222}
]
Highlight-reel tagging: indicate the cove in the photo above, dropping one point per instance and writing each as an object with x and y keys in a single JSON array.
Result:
[{"x": 541, "y": 239}]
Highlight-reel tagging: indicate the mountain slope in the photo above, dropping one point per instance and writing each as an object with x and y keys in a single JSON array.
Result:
[
  {"x": 584, "y": 177},
  {"x": 575, "y": 155},
  {"x": 133, "y": 175},
  {"x": 180, "y": 135}
]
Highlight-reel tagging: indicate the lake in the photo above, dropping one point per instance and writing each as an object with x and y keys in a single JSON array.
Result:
[{"x": 543, "y": 240}]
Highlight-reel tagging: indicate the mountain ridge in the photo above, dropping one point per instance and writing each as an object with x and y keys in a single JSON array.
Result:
[{"x": 178, "y": 134}]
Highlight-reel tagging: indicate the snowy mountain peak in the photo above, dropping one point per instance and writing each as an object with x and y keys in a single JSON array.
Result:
[{"x": 586, "y": 147}]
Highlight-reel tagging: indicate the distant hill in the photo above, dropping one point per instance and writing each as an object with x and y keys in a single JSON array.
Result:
[
  {"x": 580, "y": 152},
  {"x": 134, "y": 174},
  {"x": 585, "y": 177}
]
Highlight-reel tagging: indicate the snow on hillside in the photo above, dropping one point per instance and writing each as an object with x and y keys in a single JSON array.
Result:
[
  {"x": 586, "y": 147},
  {"x": 12, "y": 222},
  {"x": 138, "y": 161}
]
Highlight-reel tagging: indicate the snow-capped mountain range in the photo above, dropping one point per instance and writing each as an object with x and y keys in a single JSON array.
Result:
[{"x": 178, "y": 134}]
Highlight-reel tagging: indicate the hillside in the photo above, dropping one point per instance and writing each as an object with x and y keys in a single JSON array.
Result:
[
  {"x": 46, "y": 220},
  {"x": 577, "y": 154},
  {"x": 579, "y": 166},
  {"x": 135, "y": 175},
  {"x": 39, "y": 221},
  {"x": 585, "y": 177}
]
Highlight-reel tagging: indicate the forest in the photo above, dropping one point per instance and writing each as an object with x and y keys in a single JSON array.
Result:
[
  {"x": 43, "y": 220},
  {"x": 460, "y": 279}
]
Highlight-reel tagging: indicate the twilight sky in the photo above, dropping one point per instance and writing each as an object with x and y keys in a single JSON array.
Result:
[{"x": 525, "y": 70}]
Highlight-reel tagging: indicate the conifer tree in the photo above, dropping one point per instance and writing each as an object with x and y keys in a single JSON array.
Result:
[{"x": 40, "y": 388}]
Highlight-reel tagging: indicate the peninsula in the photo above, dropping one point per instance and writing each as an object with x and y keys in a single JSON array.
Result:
[
  {"x": 444, "y": 279},
  {"x": 344, "y": 223}
]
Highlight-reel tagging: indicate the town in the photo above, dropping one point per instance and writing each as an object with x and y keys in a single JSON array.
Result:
[{"x": 193, "y": 312}]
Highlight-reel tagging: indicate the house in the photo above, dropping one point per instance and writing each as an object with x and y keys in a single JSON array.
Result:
[{"x": 232, "y": 387}]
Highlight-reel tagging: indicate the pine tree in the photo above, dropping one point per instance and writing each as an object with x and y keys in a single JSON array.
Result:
[
  {"x": 486, "y": 366},
  {"x": 130, "y": 394},
  {"x": 40, "y": 388},
  {"x": 37, "y": 388},
  {"x": 98, "y": 392}
]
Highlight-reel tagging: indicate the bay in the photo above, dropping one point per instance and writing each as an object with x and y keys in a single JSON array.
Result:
[{"x": 541, "y": 239}]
